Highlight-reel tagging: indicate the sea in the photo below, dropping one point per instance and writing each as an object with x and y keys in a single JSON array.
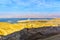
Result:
[{"x": 13, "y": 20}]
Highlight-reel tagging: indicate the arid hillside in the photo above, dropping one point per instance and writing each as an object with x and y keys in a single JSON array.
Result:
[{"x": 30, "y": 30}]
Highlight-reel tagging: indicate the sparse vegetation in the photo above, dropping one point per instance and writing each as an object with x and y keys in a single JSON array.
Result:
[{"x": 8, "y": 28}]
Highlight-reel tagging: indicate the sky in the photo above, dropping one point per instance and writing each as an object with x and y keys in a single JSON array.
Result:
[{"x": 29, "y": 8}]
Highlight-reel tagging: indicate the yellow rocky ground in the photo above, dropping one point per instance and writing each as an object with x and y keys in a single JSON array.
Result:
[
  {"x": 8, "y": 28},
  {"x": 54, "y": 22}
]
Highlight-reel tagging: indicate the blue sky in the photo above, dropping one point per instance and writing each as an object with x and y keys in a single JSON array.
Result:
[{"x": 29, "y": 7}]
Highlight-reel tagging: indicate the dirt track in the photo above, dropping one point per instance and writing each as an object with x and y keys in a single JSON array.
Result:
[{"x": 55, "y": 37}]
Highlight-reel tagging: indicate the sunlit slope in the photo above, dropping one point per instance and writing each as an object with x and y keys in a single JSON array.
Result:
[
  {"x": 54, "y": 22},
  {"x": 33, "y": 24},
  {"x": 42, "y": 23},
  {"x": 8, "y": 28}
]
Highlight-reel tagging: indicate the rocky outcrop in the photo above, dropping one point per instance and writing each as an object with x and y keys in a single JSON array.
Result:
[{"x": 32, "y": 34}]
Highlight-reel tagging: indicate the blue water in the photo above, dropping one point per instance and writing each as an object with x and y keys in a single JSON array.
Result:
[{"x": 16, "y": 19}]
